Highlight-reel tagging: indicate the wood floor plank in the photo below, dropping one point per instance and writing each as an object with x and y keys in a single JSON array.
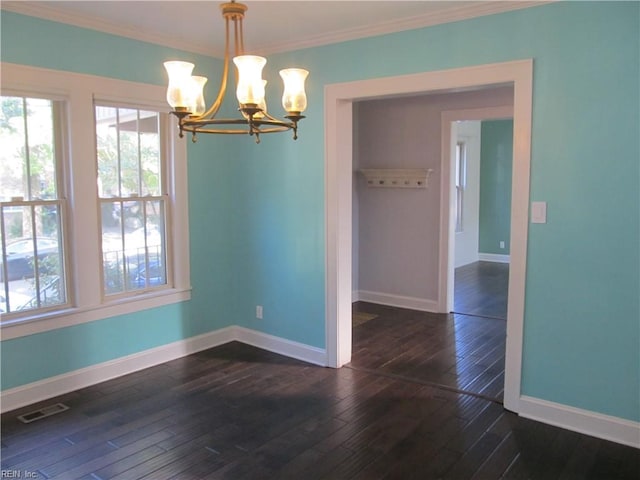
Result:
[{"x": 137, "y": 449}]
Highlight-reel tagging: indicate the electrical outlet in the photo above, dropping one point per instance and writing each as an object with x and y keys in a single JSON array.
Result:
[
  {"x": 259, "y": 312},
  {"x": 538, "y": 212},
  {"x": 501, "y": 243}
]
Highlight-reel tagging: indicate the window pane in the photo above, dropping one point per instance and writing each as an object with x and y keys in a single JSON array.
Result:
[
  {"x": 129, "y": 160},
  {"x": 34, "y": 267},
  {"x": 144, "y": 248},
  {"x": 129, "y": 146},
  {"x": 12, "y": 153},
  {"x": 107, "y": 146},
  {"x": 155, "y": 245},
  {"x": 41, "y": 158},
  {"x": 27, "y": 158},
  {"x": 150, "y": 154},
  {"x": 112, "y": 247},
  {"x": 133, "y": 251}
]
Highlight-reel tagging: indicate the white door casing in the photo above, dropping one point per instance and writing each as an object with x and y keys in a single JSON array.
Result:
[{"x": 338, "y": 196}]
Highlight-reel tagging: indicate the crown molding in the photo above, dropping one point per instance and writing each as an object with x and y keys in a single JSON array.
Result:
[
  {"x": 454, "y": 14},
  {"x": 83, "y": 21}
]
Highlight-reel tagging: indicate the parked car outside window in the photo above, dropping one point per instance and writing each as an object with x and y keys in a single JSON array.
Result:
[{"x": 20, "y": 256}]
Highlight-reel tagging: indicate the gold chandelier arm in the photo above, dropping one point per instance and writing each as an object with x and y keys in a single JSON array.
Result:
[
  {"x": 240, "y": 44},
  {"x": 239, "y": 41},
  {"x": 225, "y": 73},
  {"x": 273, "y": 119},
  {"x": 235, "y": 37}
]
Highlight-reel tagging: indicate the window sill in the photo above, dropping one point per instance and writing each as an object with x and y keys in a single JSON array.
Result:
[{"x": 44, "y": 322}]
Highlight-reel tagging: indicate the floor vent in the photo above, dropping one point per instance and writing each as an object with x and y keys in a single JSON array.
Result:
[{"x": 43, "y": 413}]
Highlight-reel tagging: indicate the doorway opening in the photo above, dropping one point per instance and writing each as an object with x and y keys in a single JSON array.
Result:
[
  {"x": 339, "y": 99},
  {"x": 395, "y": 243},
  {"x": 480, "y": 155}
]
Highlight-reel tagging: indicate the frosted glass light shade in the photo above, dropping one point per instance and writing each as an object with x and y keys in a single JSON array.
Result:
[
  {"x": 180, "y": 90},
  {"x": 263, "y": 104},
  {"x": 250, "y": 87},
  {"x": 294, "y": 98},
  {"x": 199, "y": 105}
]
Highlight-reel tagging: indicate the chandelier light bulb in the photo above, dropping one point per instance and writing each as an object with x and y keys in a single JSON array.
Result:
[
  {"x": 180, "y": 90},
  {"x": 262, "y": 106},
  {"x": 294, "y": 98},
  {"x": 250, "y": 89}
]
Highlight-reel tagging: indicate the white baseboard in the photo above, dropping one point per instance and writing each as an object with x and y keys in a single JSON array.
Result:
[
  {"x": 412, "y": 303},
  {"x": 494, "y": 257},
  {"x": 288, "y": 348},
  {"x": 67, "y": 382},
  {"x": 595, "y": 424}
]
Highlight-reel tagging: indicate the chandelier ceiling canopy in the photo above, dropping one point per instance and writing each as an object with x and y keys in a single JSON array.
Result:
[{"x": 185, "y": 90}]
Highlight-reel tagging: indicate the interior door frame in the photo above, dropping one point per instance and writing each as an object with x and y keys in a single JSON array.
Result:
[
  {"x": 338, "y": 125},
  {"x": 446, "y": 261}
]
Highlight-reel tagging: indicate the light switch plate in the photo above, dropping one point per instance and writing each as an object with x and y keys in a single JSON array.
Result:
[{"x": 538, "y": 212}]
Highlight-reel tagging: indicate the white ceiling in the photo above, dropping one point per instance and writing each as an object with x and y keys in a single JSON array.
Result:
[{"x": 269, "y": 26}]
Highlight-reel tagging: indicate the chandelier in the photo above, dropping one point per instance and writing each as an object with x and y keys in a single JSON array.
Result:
[{"x": 185, "y": 91}]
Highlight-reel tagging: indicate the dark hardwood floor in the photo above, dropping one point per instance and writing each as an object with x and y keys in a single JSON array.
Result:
[
  {"x": 457, "y": 352},
  {"x": 481, "y": 289},
  {"x": 237, "y": 412}
]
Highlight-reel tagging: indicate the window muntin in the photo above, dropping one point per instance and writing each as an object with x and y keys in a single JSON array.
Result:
[
  {"x": 32, "y": 206},
  {"x": 133, "y": 200},
  {"x": 461, "y": 183}
]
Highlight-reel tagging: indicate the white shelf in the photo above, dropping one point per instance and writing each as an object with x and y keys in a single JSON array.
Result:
[{"x": 397, "y": 177}]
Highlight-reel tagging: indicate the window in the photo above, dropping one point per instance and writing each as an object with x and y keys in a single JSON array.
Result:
[
  {"x": 93, "y": 212},
  {"x": 32, "y": 206},
  {"x": 461, "y": 183},
  {"x": 133, "y": 200}
]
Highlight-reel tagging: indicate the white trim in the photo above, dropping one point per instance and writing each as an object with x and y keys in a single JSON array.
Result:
[
  {"x": 401, "y": 301},
  {"x": 598, "y": 425},
  {"x": 282, "y": 346},
  {"x": 79, "y": 92},
  {"x": 462, "y": 12},
  {"x": 494, "y": 257},
  {"x": 67, "y": 382},
  {"x": 339, "y": 99},
  {"x": 75, "y": 316}
]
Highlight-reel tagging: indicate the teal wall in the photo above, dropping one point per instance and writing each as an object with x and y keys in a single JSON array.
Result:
[
  {"x": 257, "y": 212},
  {"x": 496, "y": 160},
  {"x": 37, "y": 42}
]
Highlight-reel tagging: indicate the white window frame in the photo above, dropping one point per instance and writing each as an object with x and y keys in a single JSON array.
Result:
[
  {"x": 61, "y": 160},
  {"x": 80, "y": 92},
  {"x": 165, "y": 131}
]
